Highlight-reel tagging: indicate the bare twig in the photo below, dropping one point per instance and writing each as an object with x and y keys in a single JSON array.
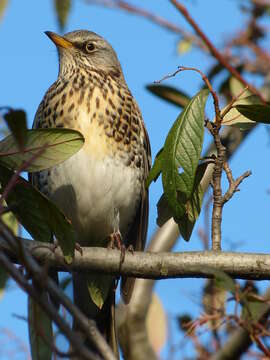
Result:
[
  {"x": 156, "y": 19},
  {"x": 213, "y": 50},
  {"x": 39, "y": 277}
]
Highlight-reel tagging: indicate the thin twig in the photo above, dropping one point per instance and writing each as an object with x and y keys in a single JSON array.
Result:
[
  {"x": 205, "y": 79},
  {"x": 213, "y": 50}
]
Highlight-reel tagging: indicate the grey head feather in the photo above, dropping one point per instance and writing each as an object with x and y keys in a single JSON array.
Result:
[{"x": 102, "y": 58}]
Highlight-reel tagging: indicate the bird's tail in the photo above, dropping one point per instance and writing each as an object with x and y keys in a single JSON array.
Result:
[{"x": 104, "y": 317}]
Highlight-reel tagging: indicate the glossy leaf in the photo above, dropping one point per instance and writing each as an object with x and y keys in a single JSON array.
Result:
[
  {"x": 170, "y": 94},
  {"x": 155, "y": 169},
  {"x": 16, "y": 121},
  {"x": 52, "y": 146},
  {"x": 182, "y": 150},
  {"x": 258, "y": 113},
  {"x": 40, "y": 331},
  {"x": 40, "y": 217},
  {"x": 62, "y": 8}
]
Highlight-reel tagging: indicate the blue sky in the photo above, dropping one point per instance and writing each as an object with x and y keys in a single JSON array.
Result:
[{"x": 28, "y": 66}]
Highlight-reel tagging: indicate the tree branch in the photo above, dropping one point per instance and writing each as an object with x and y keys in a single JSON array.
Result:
[{"x": 150, "y": 265}]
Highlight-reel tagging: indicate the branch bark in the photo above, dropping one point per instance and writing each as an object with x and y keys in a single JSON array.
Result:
[{"x": 253, "y": 266}]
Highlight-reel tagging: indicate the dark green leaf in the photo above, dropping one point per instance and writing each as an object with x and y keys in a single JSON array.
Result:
[
  {"x": 40, "y": 331},
  {"x": 40, "y": 217},
  {"x": 163, "y": 210},
  {"x": 193, "y": 209},
  {"x": 53, "y": 146},
  {"x": 16, "y": 121},
  {"x": 170, "y": 94},
  {"x": 155, "y": 170},
  {"x": 62, "y": 8},
  {"x": 193, "y": 205},
  {"x": 182, "y": 149},
  {"x": 259, "y": 113}
]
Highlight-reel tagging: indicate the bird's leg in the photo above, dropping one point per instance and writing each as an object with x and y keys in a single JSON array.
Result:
[{"x": 116, "y": 242}]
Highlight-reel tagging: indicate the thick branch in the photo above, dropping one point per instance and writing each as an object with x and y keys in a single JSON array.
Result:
[{"x": 152, "y": 265}]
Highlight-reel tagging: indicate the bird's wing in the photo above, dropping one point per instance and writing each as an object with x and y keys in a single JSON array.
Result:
[{"x": 136, "y": 236}]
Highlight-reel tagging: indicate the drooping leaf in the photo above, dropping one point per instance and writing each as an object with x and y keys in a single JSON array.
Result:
[
  {"x": 52, "y": 146},
  {"x": 17, "y": 124},
  {"x": 38, "y": 215},
  {"x": 170, "y": 94},
  {"x": 257, "y": 112},
  {"x": 164, "y": 211},
  {"x": 193, "y": 209},
  {"x": 3, "y": 5},
  {"x": 62, "y": 8},
  {"x": 98, "y": 287},
  {"x": 40, "y": 331},
  {"x": 182, "y": 150},
  {"x": 156, "y": 169}
]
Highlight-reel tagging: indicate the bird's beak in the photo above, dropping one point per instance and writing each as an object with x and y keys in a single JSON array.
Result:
[{"x": 59, "y": 40}]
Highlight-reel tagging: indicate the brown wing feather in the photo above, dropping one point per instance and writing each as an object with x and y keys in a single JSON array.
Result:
[{"x": 138, "y": 231}]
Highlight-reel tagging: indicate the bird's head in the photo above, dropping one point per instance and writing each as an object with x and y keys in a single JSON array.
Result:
[{"x": 86, "y": 50}]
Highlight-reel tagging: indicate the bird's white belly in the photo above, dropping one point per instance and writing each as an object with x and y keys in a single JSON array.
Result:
[{"x": 99, "y": 196}]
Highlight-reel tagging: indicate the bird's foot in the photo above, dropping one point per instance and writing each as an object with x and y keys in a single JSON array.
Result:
[
  {"x": 116, "y": 242},
  {"x": 78, "y": 248}
]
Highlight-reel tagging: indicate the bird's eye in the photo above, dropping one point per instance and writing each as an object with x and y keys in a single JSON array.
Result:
[{"x": 89, "y": 47}]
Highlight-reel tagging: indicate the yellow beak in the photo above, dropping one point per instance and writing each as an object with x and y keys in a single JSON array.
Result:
[{"x": 59, "y": 40}]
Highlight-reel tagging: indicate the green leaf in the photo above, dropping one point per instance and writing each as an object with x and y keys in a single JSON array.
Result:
[
  {"x": 52, "y": 146},
  {"x": 156, "y": 168},
  {"x": 98, "y": 287},
  {"x": 193, "y": 209},
  {"x": 170, "y": 94},
  {"x": 164, "y": 211},
  {"x": 182, "y": 149},
  {"x": 62, "y": 8},
  {"x": 40, "y": 217},
  {"x": 234, "y": 116},
  {"x": 16, "y": 121},
  {"x": 258, "y": 113},
  {"x": 222, "y": 280},
  {"x": 40, "y": 331}
]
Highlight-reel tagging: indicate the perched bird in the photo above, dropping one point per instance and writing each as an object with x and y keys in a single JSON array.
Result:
[{"x": 101, "y": 189}]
